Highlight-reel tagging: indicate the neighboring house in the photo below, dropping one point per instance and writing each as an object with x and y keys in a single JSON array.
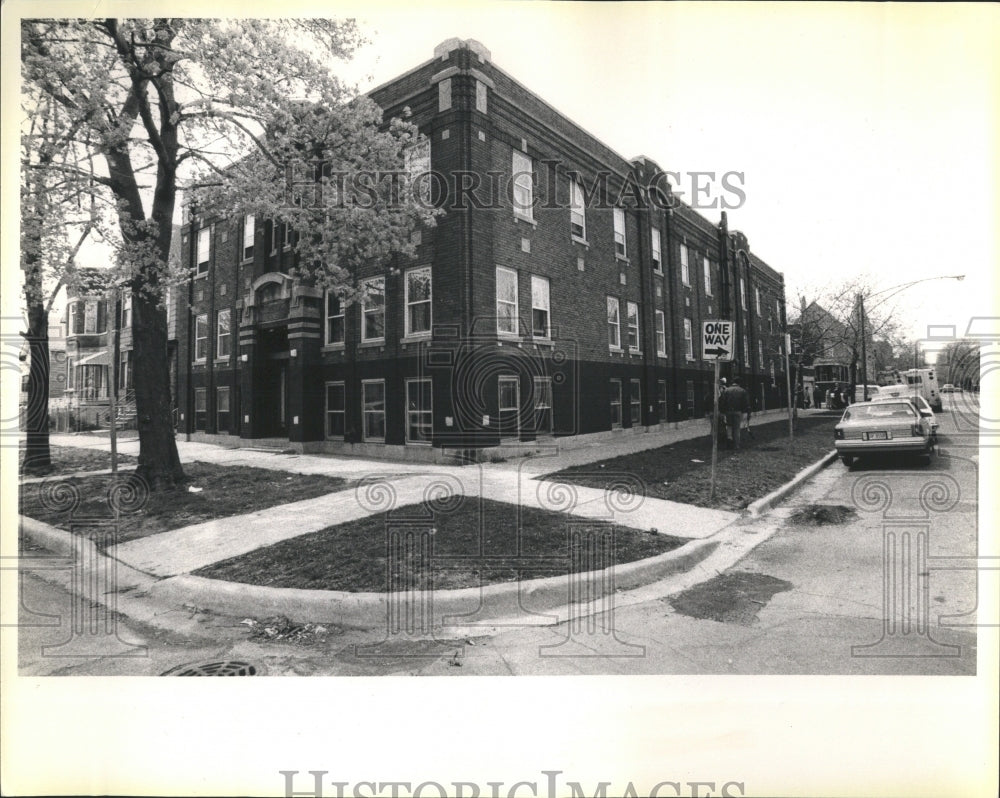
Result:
[
  {"x": 512, "y": 324},
  {"x": 823, "y": 354}
]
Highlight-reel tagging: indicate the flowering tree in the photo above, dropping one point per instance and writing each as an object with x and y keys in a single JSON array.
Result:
[{"x": 158, "y": 105}]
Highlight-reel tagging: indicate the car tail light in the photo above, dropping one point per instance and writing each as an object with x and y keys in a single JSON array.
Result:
[
  {"x": 838, "y": 433},
  {"x": 917, "y": 430}
]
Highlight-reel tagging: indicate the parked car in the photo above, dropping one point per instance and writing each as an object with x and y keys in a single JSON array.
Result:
[
  {"x": 921, "y": 406},
  {"x": 889, "y": 427}
]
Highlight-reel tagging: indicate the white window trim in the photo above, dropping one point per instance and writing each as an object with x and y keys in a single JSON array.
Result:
[
  {"x": 661, "y": 334},
  {"x": 619, "y": 216},
  {"x": 218, "y": 334},
  {"x": 656, "y": 249},
  {"x": 364, "y": 413},
  {"x": 576, "y": 193},
  {"x": 688, "y": 338},
  {"x": 204, "y": 338},
  {"x": 517, "y": 320},
  {"x": 520, "y": 174},
  {"x": 429, "y": 302},
  {"x": 707, "y": 265},
  {"x": 326, "y": 410},
  {"x": 685, "y": 265},
  {"x": 406, "y": 397},
  {"x": 548, "y": 307},
  {"x": 629, "y": 307},
  {"x": 249, "y": 230},
  {"x": 199, "y": 271},
  {"x": 617, "y": 346},
  {"x": 364, "y": 311},
  {"x": 327, "y": 316}
]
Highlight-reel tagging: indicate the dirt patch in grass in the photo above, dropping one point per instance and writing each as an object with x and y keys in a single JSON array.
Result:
[
  {"x": 681, "y": 471},
  {"x": 821, "y": 515},
  {"x": 734, "y": 597},
  {"x": 465, "y": 546},
  {"x": 225, "y": 491},
  {"x": 72, "y": 460}
]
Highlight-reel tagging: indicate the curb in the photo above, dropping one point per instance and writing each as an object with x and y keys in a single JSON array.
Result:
[
  {"x": 469, "y": 606},
  {"x": 765, "y": 503}
]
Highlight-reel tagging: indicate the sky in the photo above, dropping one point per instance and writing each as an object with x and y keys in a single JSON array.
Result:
[{"x": 866, "y": 133}]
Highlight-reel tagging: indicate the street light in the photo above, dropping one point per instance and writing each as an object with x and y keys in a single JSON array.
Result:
[{"x": 895, "y": 290}]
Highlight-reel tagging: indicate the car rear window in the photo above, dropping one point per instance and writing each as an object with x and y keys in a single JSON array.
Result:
[{"x": 880, "y": 410}]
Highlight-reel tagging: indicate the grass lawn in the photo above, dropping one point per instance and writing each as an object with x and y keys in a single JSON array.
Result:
[
  {"x": 764, "y": 462},
  {"x": 352, "y": 556},
  {"x": 226, "y": 491},
  {"x": 71, "y": 460}
]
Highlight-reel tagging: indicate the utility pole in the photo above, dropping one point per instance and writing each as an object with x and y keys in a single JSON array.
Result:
[
  {"x": 864, "y": 349},
  {"x": 788, "y": 387}
]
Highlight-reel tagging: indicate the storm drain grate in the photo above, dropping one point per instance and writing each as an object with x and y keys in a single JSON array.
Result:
[{"x": 223, "y": 668}]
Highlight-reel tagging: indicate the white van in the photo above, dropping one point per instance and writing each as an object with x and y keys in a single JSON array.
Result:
[
  {"x": 918, "y": 382},
  {"x": 859, "y": 393}
]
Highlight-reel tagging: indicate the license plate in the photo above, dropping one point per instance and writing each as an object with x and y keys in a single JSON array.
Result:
[{"x": 876, "y": 436}]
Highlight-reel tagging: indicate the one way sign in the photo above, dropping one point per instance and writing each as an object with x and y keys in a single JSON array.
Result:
[{"x": 717, "y": 340}]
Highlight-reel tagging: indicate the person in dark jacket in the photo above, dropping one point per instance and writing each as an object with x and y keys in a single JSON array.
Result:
[{"x": 734, "y": 404}]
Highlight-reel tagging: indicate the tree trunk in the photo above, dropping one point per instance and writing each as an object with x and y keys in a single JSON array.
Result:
[
  {"x": 159, "y": 463},
  {"x": 37, "y": 455}
]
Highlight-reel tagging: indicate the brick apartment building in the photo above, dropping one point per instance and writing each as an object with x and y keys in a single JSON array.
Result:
[{"x": 512, "y": 325}]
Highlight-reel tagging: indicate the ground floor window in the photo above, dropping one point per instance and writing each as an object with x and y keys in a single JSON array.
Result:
[
  {"x": 419, "y": 415},
  {"x": 635, "y": 403},
  {"x": 616, "y": 403},
  {"x": 373, "y": 407},
  {"x": 222, "y": 409},
  {"x": 543, "y": 405},
  {"x": 200, "y": 408},
  {"x": 336, "y": 405},
  {"x": 661, "y": 399}
]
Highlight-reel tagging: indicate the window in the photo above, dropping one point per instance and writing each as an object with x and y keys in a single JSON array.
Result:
[
  {"x": 509, "y": 404},
  {"x": 635, "y": 403},
  {"x": 201, "y": 337},
  {"x": 444, "y": 95},
  {"x": 777, "y": 310},
  {"x": 621, "y": 250},
  {"x": 90, "y": 318},
  {"x": 125, "y": 370},
  {"x": 126, "y": 311},
  {"x": 336, "y": 405},
  {"x": 419, "y": 424},
  {"x": 288, "y": 236},
  {"x": 577, "y": 211},
  {"x": 760, "y": 354},
  {"x": 756, "y": 296},
  {"x": 373, "y": 409},
  {"x": 373, "y": 309},
  {"x": 480, "y": 97},
  {"x": 543, "y": 405},
  {"x": 204, "y": 249},
  {"x": 248, "y": 233},
  {"x": 222, "y": 409},
  {"x": 746, "y": 350},
  {"x": 657, "y": 250},
  {"x": 685, "y": 266},
  {"x": 223, "y": 343},
  {"x": 688, "y": 340},
  {"x": 523, "y": 185},
  {"x": 707, "y": 265},
  {"x": 633, "y": 325},
  {"x": 334, "y": 319},
  {"x": 614, "y": 324},
  {"x": 506, "y": 301},
  {"x": 418, "y": 301},
  {"x": 540, "y": 307},
  {"x": 76, "y": 314},
  {"x": 661, "y": 334},
  {"x": 200, "y": 408},
  {"x": 743, "y": 293},
  {"x": 661, "y": 399},
  {"x": 417, "y": 162},
  {"x": 616, "y": 404},
  {"x": 274, "y": 236}
]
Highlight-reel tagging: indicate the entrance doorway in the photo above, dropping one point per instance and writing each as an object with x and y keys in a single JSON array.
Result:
[
  {"x": 271, "y": 383},
  {"x": 509, "y": 407}
]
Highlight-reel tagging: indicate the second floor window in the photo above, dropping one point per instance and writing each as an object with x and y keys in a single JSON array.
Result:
[
  {"x": 334, "y": 319},
  {"x": 657, "y": 251},
  {"x": 201, "y": 337},
  {"x": 126, "y": 311},
  {"x": 756, "y": 298},
  {"x": 248, "y": 234},
  {"x": 577, "y": 212},
  {"x": 661, "y": 334},
  {"x": 540, "y": 306},
  {"x": 688, "y": 340},
  {"x": 620, "y": 245},
  {"x": 614, "y": 324},
  {"x": 418, "y": 301},
  {"x": 523, "y": 185},
  {"x": 373, "y": 309},
  {"x": 506, "y": 301},
  {"x": 685, "y": 266},
  {"x": 224, "y": 337},
  {"x": 707, "y": 265},
  {"x": 633, "y": 326}
]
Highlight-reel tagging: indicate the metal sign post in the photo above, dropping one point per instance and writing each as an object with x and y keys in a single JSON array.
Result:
[
  {"x": 788, "y": 387},
  {"x": 716, "y": 345}
]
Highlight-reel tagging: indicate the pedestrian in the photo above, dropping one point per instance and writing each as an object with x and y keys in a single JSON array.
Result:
[
  {"x": 817, "y": 397},
  {"x": 735, "y": 403}
]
